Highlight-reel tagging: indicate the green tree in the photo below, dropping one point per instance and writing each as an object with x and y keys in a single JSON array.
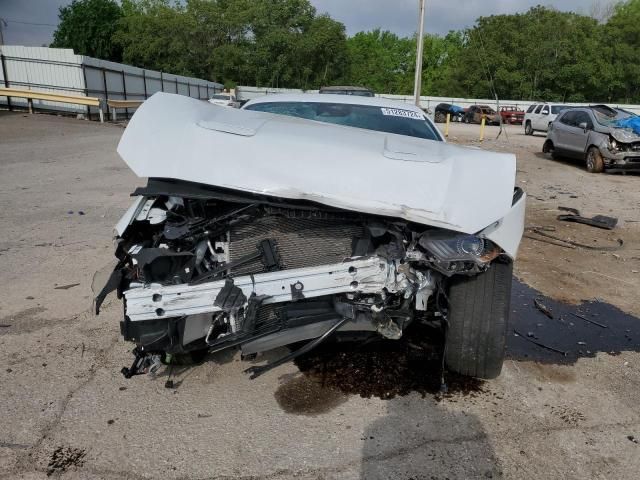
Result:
[
  {"x": 154, "y": 34},
  {"x": 321, "y": 51},
  {"x": 540, "y": 54},
  {"x": 622, "y": 35},
  {"x": 441, "y": 64},
  {"x": 87, "y": 26},
  {"x": 277, "y": 43},
  {"x": 382, "y": 61}
]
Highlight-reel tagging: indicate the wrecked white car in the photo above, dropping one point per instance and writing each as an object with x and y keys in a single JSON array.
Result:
[{"x": 257, "y": 230}]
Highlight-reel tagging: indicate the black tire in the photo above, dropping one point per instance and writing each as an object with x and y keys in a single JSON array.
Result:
[
  {"x": 477, "y": 322},
  {"x": 550, "y": 149},
  {"x": 595, "y": 164},
  {"x": 528, "y": 130}
]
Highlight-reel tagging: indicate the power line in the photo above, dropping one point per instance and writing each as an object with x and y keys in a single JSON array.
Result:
[{"x": 30, "y": 23}]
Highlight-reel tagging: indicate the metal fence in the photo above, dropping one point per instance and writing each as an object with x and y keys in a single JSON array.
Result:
[{"x": 61, "y": 71}]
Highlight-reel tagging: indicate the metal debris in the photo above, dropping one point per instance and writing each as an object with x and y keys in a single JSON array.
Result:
[
  {"x": 540, "y": 344},
  {"x": 561, "y": 242},
  {"x": 66, "y": 287},
  {"x": 543, "y": 308},
  {"x": 588, "y": 320},
  {"x": 598, "y": 221}
]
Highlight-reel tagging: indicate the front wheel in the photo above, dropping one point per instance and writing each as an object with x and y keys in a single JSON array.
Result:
[
  {"x": 477, "y": 321},
  {"x": 528, "y": 130},
  {"x": 595, "y": 164}
]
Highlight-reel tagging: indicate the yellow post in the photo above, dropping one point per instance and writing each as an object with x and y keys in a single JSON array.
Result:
[
  {"x": 446, "y": 128},
  {"x": 482, "y": 129}
]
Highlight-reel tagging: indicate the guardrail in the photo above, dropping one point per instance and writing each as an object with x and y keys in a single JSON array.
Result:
[
  {"x": 126, "y": 104},
  {"x": 32, "y": 95}
]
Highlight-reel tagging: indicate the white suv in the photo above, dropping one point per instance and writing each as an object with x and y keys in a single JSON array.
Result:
[{"x": 540, "y": 115}]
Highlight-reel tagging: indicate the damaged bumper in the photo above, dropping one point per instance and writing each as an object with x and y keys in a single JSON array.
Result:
[{"x": 622, "y": 160}]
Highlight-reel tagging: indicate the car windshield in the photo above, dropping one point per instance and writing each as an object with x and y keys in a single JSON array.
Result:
[
  {"x": 220, "y": 97},
  {"x": 488, "y": 111},
  {"x": 382, "y": 119},
  {"x": 556, "y": 109},
  {"x": 606, "y": 115}
]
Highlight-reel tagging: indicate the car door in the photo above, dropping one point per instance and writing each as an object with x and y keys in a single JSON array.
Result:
[
  {"x": 544, "y": 119},
  {"x": 578, "y": 134},
  {"x": 562, "y": 131},
  {"x": 528, "y": 116},
  {"x": 535, "y": 117}
]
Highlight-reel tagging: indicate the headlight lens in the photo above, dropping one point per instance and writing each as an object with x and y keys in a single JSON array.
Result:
[
  {"x": 452, "y": 247},
  {"x": 470, "y": 245}
]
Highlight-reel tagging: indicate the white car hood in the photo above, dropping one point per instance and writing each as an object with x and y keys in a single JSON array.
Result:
[{"x": 424, "y": 181}]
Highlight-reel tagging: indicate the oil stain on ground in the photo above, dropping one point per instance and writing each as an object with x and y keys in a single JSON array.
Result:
[
  {"x": 64, "y": 458},
  {"x": 307, "y": 395},
  {"x": 386, "y": 369},
  {"x": 574, "y": 332}
]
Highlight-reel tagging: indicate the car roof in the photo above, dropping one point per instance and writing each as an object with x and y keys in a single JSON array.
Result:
[
  {"x": 345, "y": 87},
  {"x": 330, "y": 98}
]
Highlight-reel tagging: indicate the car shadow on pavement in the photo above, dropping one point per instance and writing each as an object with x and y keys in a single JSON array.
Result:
[
  {"x": 550, "y": 331},
  {"x": 425, "y": 440},
  {"x": 577, "y": 162},
  {"x": 570, "y": 162}
]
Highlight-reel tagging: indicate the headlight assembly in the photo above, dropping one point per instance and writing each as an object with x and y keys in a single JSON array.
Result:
[{"x": 456, "y": 247}]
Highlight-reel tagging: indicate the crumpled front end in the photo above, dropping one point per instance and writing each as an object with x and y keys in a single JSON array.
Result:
[
  {"x": 621, "y": 150},
  {"x": 276, "y": 244},
  {"x": 202, "y": 268}
]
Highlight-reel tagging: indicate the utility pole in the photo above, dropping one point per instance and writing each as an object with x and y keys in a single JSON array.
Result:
[
  {"x": 2, "y": 25},
  {"x": 417, "y": 88}
]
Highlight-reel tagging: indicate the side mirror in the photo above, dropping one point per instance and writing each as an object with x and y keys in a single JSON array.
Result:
[{"x": 583, "y": 126}]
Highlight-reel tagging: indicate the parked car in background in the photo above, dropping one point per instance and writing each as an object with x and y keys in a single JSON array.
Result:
[
  {"x": 347, "y": 90},
  {"x": 442, "y": 109},
  {"x": 512, "y": 115},
  {"x": 475, "y": 114},
  {"x": 540, "y": 115},
  {"x": 605, "y": 138},
  {"x": 224, "y": 100}
]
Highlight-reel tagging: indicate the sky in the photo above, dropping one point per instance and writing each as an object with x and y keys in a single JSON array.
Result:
[{"x": 399, "y": 16}]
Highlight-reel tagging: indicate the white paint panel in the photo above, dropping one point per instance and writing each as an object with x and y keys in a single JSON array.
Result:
[{"x": 448, "y": 186}]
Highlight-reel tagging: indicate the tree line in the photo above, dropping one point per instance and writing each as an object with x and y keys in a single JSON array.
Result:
[{"x": 539, "y": 54}]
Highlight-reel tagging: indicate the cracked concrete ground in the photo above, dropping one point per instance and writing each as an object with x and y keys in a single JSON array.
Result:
[{"x": 67, "y": 412}]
